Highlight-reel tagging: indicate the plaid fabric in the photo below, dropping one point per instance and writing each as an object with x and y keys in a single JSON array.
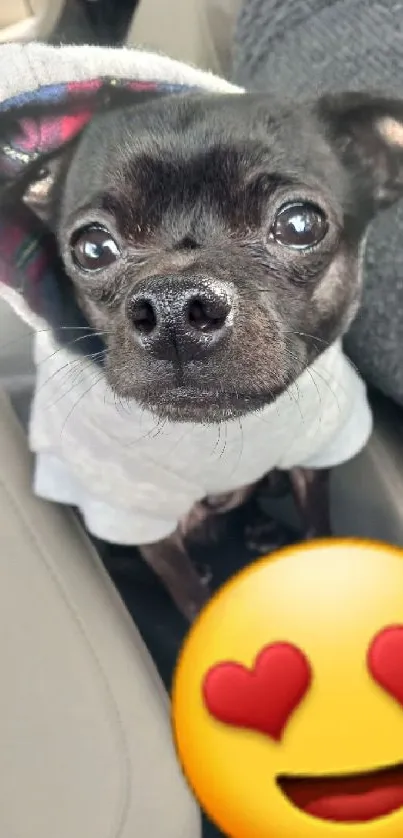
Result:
[{"x": 34, "y": 124}]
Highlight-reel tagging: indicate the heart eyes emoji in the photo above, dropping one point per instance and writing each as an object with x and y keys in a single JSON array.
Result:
[
  {"x": 262, "y": 698},
  {"x": 385, "y": 661}
]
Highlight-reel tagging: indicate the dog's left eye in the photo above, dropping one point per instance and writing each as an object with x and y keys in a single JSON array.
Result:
[
  {"x": 93, "y": 248},
  {"x": 299, "y": 226}
]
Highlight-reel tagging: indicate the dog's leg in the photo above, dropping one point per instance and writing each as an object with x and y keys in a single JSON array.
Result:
[
  {"x": 311, "y": 493},
  {"x": 170, "y": 558},
  {"x": 263, "y": 533},
  {"x": 170, "y": 561},
  {"x": 205, "y": 523}
]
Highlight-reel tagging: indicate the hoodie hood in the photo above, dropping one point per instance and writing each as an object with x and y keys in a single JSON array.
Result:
[{"x": 47, "y": 97}]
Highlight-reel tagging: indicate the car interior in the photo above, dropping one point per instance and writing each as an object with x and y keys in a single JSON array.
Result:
[{"x": 86, "y": 739}]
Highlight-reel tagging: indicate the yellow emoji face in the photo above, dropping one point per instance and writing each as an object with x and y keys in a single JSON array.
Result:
[{"x": 288, "y": 696}]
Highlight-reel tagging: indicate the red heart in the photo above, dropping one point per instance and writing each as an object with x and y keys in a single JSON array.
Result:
[
  {"x": 385, "y": 661},
  {"x": 262, "y": 698}
]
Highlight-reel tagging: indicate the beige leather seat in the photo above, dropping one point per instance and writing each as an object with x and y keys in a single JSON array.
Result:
[
  {"x": 26, "y": 20},
  {"x": 85, "y": 741},
  {"x": 196, "y": 31}
]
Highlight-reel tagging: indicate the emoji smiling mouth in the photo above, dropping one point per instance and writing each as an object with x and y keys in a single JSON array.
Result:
[{"x": 354, "y": 798}]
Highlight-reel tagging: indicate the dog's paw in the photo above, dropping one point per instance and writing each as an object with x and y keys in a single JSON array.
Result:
[
  {"x": 266, "y": 535},
  {"x": 205, "y": 572}
]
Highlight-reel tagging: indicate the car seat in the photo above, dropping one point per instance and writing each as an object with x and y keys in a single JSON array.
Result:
[
  {"x": 27, "y": 20},
  {"x": 85, "y": 740}
]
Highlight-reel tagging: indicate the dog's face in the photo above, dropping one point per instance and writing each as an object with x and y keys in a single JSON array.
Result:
[{"x": 215, "y": 241}]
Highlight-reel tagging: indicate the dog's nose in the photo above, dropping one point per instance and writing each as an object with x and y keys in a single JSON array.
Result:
[{"x": 180, "y": 317}]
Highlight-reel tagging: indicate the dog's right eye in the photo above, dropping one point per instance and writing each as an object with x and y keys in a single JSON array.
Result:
[
  {"x": 93, "y": 248},
  {"x": 299, "y": 226}
]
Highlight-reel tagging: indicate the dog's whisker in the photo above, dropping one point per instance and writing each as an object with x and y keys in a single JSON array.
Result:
[
  {"x": 218, "y": 440},
  {"x": 68, "y": 345},
  {"x": 295, "y": 398},
  {"x": 327, "y": 384},
  {"x": 189, "y": 429},
  {"x": 155, "y": 432},
  {"x": 72, "y": 380},
  {"x": 77, "y": 359},
  {"x": 312, "y": 372},
  {"x": 312, "y": 377},
  {"x": 240, "y": 452},
  {"x": 123, "y": 405},
  {"x": 224, "y": 448},
  {"x": 81, "y": 397},
  {"x": 74, "y": 368},
  {"x": 147, "y": 435},
  {"x": 73, "y": 363},
  {"x": 307, "y": 335},
  {"x": 56, "y": 373},
  {"x": 215, "y": 449},
  {"x": 90, "y": 357},
  {"x": 29, "y": 334},
  {"x": 309, "y": 372}
]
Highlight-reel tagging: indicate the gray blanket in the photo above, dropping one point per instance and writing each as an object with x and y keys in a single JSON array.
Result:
[{"x": 294, "y": 47}]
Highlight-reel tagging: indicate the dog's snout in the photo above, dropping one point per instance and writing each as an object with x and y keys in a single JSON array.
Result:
[{"x": 182, "y": 317}]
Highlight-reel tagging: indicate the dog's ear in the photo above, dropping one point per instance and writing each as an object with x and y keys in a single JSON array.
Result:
[
  {"x": 42, "y": 184},
  {"x": 35, "y": 150},
  {"x": 367, "y": 131},
  {"x": 37, "y": 141}
]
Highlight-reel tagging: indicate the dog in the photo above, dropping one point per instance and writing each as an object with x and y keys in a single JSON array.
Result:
[{"x": 215, "y": 244}]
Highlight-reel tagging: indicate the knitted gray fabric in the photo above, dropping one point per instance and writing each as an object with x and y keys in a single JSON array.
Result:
[{"x": 297, "y": 47}]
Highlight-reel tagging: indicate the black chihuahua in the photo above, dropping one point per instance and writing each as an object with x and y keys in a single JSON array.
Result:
[{"x": 215, "y": 242}]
